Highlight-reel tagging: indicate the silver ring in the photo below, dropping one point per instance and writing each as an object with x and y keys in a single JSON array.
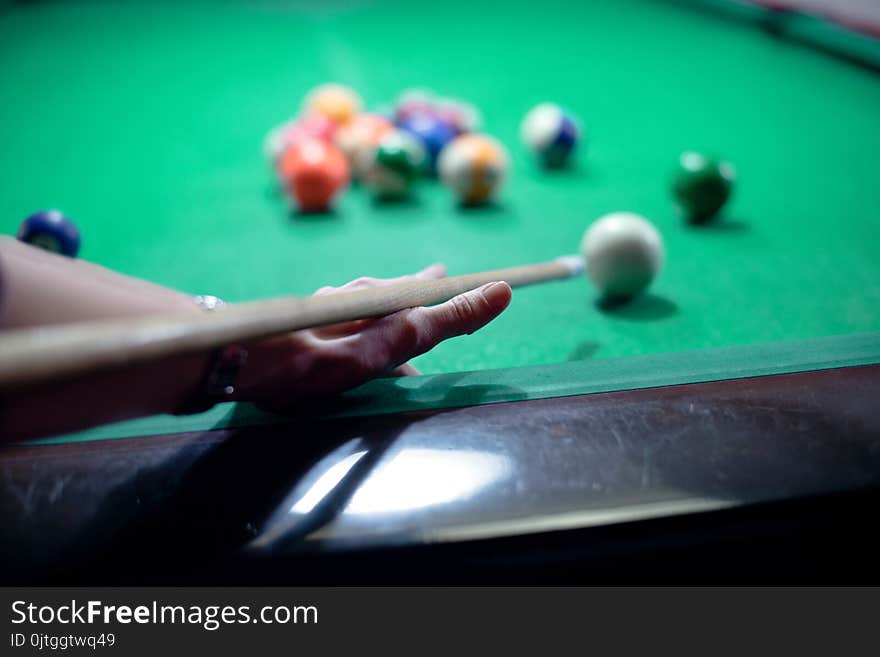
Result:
[{"x": 208, "y": 302}]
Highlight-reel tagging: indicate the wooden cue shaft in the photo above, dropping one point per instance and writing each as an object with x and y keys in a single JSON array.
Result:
[{"x": 37, "y": 355}]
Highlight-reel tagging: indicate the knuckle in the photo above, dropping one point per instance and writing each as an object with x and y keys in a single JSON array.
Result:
[
  {"x": 418, "y": 333},
  {"x": 410, "y": 335},
  {"x": 462, "y": 308},
  {"x": 362, "y": 281},
  {"x": 396, "y": 339}
]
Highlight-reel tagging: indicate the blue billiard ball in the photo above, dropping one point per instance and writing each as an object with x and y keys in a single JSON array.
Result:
[
  {"x": 432, "y": 131},
  {"x": 52, "y": 231}
]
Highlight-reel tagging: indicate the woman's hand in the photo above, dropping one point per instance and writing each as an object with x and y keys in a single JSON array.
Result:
[
  {"x": 40, "y": 288},
  {"x": 286, "y": 370}
]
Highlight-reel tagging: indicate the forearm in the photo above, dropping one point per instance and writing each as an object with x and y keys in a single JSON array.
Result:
[
  {"x": 39, "y": 288},
  {"x": 43, "y": 289},
  {"x": 130, "y": 392}
]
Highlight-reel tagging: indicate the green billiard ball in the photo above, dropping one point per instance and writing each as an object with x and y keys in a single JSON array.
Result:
[
  {"x": 396, "y": 162},
  {"x": 701, "y": 186}
]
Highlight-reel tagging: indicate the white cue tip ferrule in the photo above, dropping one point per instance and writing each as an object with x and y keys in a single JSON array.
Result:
[{"x": 574, "y": 263}]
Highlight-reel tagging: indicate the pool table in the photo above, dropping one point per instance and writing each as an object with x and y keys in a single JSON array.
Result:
[{"x": 730, "y": 409}]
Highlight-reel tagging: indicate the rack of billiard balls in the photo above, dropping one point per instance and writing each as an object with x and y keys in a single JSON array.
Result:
[
  {"x": 332, "y": 141},
  {"x": 422, "y": 137}
]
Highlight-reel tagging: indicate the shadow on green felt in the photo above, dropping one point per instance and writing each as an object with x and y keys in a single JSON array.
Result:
[
  {"x": 721, "y": 224},
  {"x": 647, "y": 307},
  {"x": 384, "y": 396},
  {"x": 493, "y": 214},
  {"x": 445, "y": 391},
  {"x": 584, "y": 350},
  {"x": 574, "y": 169},
  {"x": 316, "y": 216},
  {"x": 408, "y": 209},
  {"x": 408, "y": 201}
]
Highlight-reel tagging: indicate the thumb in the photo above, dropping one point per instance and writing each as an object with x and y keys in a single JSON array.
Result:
[{"x": 464, "y": 313}]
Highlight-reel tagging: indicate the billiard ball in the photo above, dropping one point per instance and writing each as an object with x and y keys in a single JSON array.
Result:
[
  {"x": 550, "y": 134},
  {"x": 623, "y": 253},
  {"x": 463, "y": 116},
  {"x": 701, "y": 185},
  {"x": 334, "y": 101},
  {"x": 432, "y": 131},
  {"x": 396, "y": 162},
  {"x": 473, "y": 166},
  {"x": 294, "y": 131},
  {"x": 413, "y": 101},
  {"x": 274, "y": 143},
  {"x": 313, "y": 172},
  {"x": 358, "y": 140},
  {"x": 52, "y": 231}
]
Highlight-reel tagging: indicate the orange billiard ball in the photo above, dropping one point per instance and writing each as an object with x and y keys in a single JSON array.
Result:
[{"x": 313, "y": 172}]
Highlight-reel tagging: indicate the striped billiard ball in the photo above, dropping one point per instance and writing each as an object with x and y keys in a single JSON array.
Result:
[
  {"x": 550, "y": 133},
  {"x": 359, "y": 138},
  {"x": 396, "y": 163},
  {"x": 473, "y": 166}
]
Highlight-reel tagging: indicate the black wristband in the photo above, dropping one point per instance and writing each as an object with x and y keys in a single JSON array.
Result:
[
  {"x": 219, "y": 382},
  {"x": 221, "y": 376}
]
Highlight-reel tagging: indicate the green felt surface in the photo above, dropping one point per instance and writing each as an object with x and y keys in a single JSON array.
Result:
[{"x": 144, "y": 123}]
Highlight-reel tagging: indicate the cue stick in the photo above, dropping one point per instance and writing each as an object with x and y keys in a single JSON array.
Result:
[{"x": 38, "y": 355}]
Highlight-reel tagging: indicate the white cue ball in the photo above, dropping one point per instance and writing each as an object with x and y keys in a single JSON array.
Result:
[{"x": 624, "y": 253}]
